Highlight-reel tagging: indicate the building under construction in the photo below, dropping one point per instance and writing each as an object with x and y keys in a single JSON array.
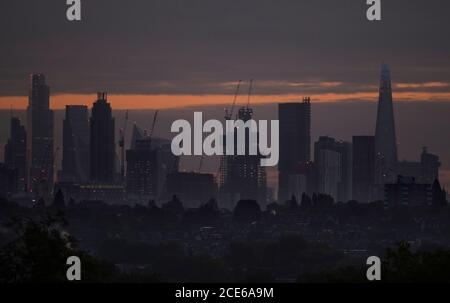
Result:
[
  {"x": 149, "y": 161},
  {"x": 242, "y": 176}
]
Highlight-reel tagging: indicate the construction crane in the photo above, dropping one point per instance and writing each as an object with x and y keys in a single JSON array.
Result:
[
  {"x": 150, "y": 136},
  {"x": 122, "y": 146},
  {"x": 249, "y": 92},
  {"x": 229, "y": 114}
]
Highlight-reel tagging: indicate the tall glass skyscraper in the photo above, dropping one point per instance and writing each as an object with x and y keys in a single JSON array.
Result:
[
  {"x": 75, "y": 162},
  {"x": 40, "y": 136},
  {"x": 385, "y": 139},
  {"x": 102, "y": 143},
  {"x": 295, "y": 142},
  {"x": 16, "y": 152}
]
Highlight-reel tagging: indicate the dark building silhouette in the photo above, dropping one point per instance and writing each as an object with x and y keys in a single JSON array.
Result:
[
  {"x": 295, "y": 143},
  {"x": 363, "y": 168},
  {"x": 40, "y": 136},
  {"x": 149, "y": 160},
  {"x": 102, "y": 143},
  {"x": 301, "y": 179},
  {"x": 75, "y": 161},
  {"x": 438, "y": 194},
  {"x": 407, "y": 192},
  {"x": 16, "y": 152},
  {"x": 242, "y": 176},
  {"x": 333, "y": 162},
  {"x": 8, "y": 181},
  {"x": 429, "y": 166},
  {"x": 424, "y": 171},
  {"x": 385, "y": 139},
  {"x": 193, "y": 189},
  {"x": 142, "y": 170}
]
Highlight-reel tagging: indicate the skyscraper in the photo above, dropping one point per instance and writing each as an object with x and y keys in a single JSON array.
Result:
[
  {"x": 385, "y": 139},
  {"x": 242, "y": 176},
  {"x": 424, "y": 171},
  {"x": 430, "y": 166},
  {"x": 16, "y": 152},
  {"x": 102, "y": 144},
  {"x": 407, "y": 191},
  {"x": 149, "y": 161},
  {"x": 75, "y": 162},
  {"x": 363, "y": 168},
  {"x": 333, "y": 160},
  {"x": 40, "y": 136},
  {"x": 295, "y": 142},
  {"x": 8, "y": 181},
  {"x": 142, "y": 170}
]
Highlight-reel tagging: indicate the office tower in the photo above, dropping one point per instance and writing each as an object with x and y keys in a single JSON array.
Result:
[
  {"x": 408, "y": 169},
  {"x": 302, "y": 179},
  {"x": 8, "y": 180},
  {"x": 429, "y": 166},
  {"x": 149, "y": 161},
  {"x": 346, "y": 185},
  {"x": 333, "y": 162},
  {"x": 363, "y": 168},
  {"x": 40, "y": 137},
  {"x": 295, "y": 142},
  {"x": 385, "y": 140},
  {"x": 16, "y": 152},
  {"x": 102, "y": 158},
  {"x": 242, "y": 176},
  {"x": 75, "y": 161},
  {"x": 424, "y": 171},
  {"x": 193, "y": 189},
  {"x": 407, "y": 192},
  {"x": 142, "y": 170}
]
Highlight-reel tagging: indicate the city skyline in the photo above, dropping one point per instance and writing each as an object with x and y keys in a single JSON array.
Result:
[
  {"x": 329, "y": 176},
  {"x": 326, "y": 121},
  {"x": 258, "y": 144}
]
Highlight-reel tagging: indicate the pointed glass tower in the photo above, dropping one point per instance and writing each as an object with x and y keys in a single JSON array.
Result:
[{"x": 385, "y": 139}]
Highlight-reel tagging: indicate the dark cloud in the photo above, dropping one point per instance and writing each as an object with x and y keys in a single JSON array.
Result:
[{"x": 194, "y": 46}]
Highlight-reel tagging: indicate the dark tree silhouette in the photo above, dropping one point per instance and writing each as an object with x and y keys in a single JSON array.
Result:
[
  {"x": 174, "y": 206},
  {"x": 323, "y": 201},
  {"x": 72, "y": 202},
  {"x": 292, "y": 203},
  {"x": 306, "y": 201},
  {"x": 58, "y": 201},
  {"x": 247, "y": 210},
  {"x": 40, "y": 204},
  {"x": 273, "y": 207},
  {"x": 40, "y": 251},
  {"x": 439, "y": 196}
]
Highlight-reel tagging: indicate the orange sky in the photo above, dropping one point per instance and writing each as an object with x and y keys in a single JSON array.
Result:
[{"x": 173, "y": 101}]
